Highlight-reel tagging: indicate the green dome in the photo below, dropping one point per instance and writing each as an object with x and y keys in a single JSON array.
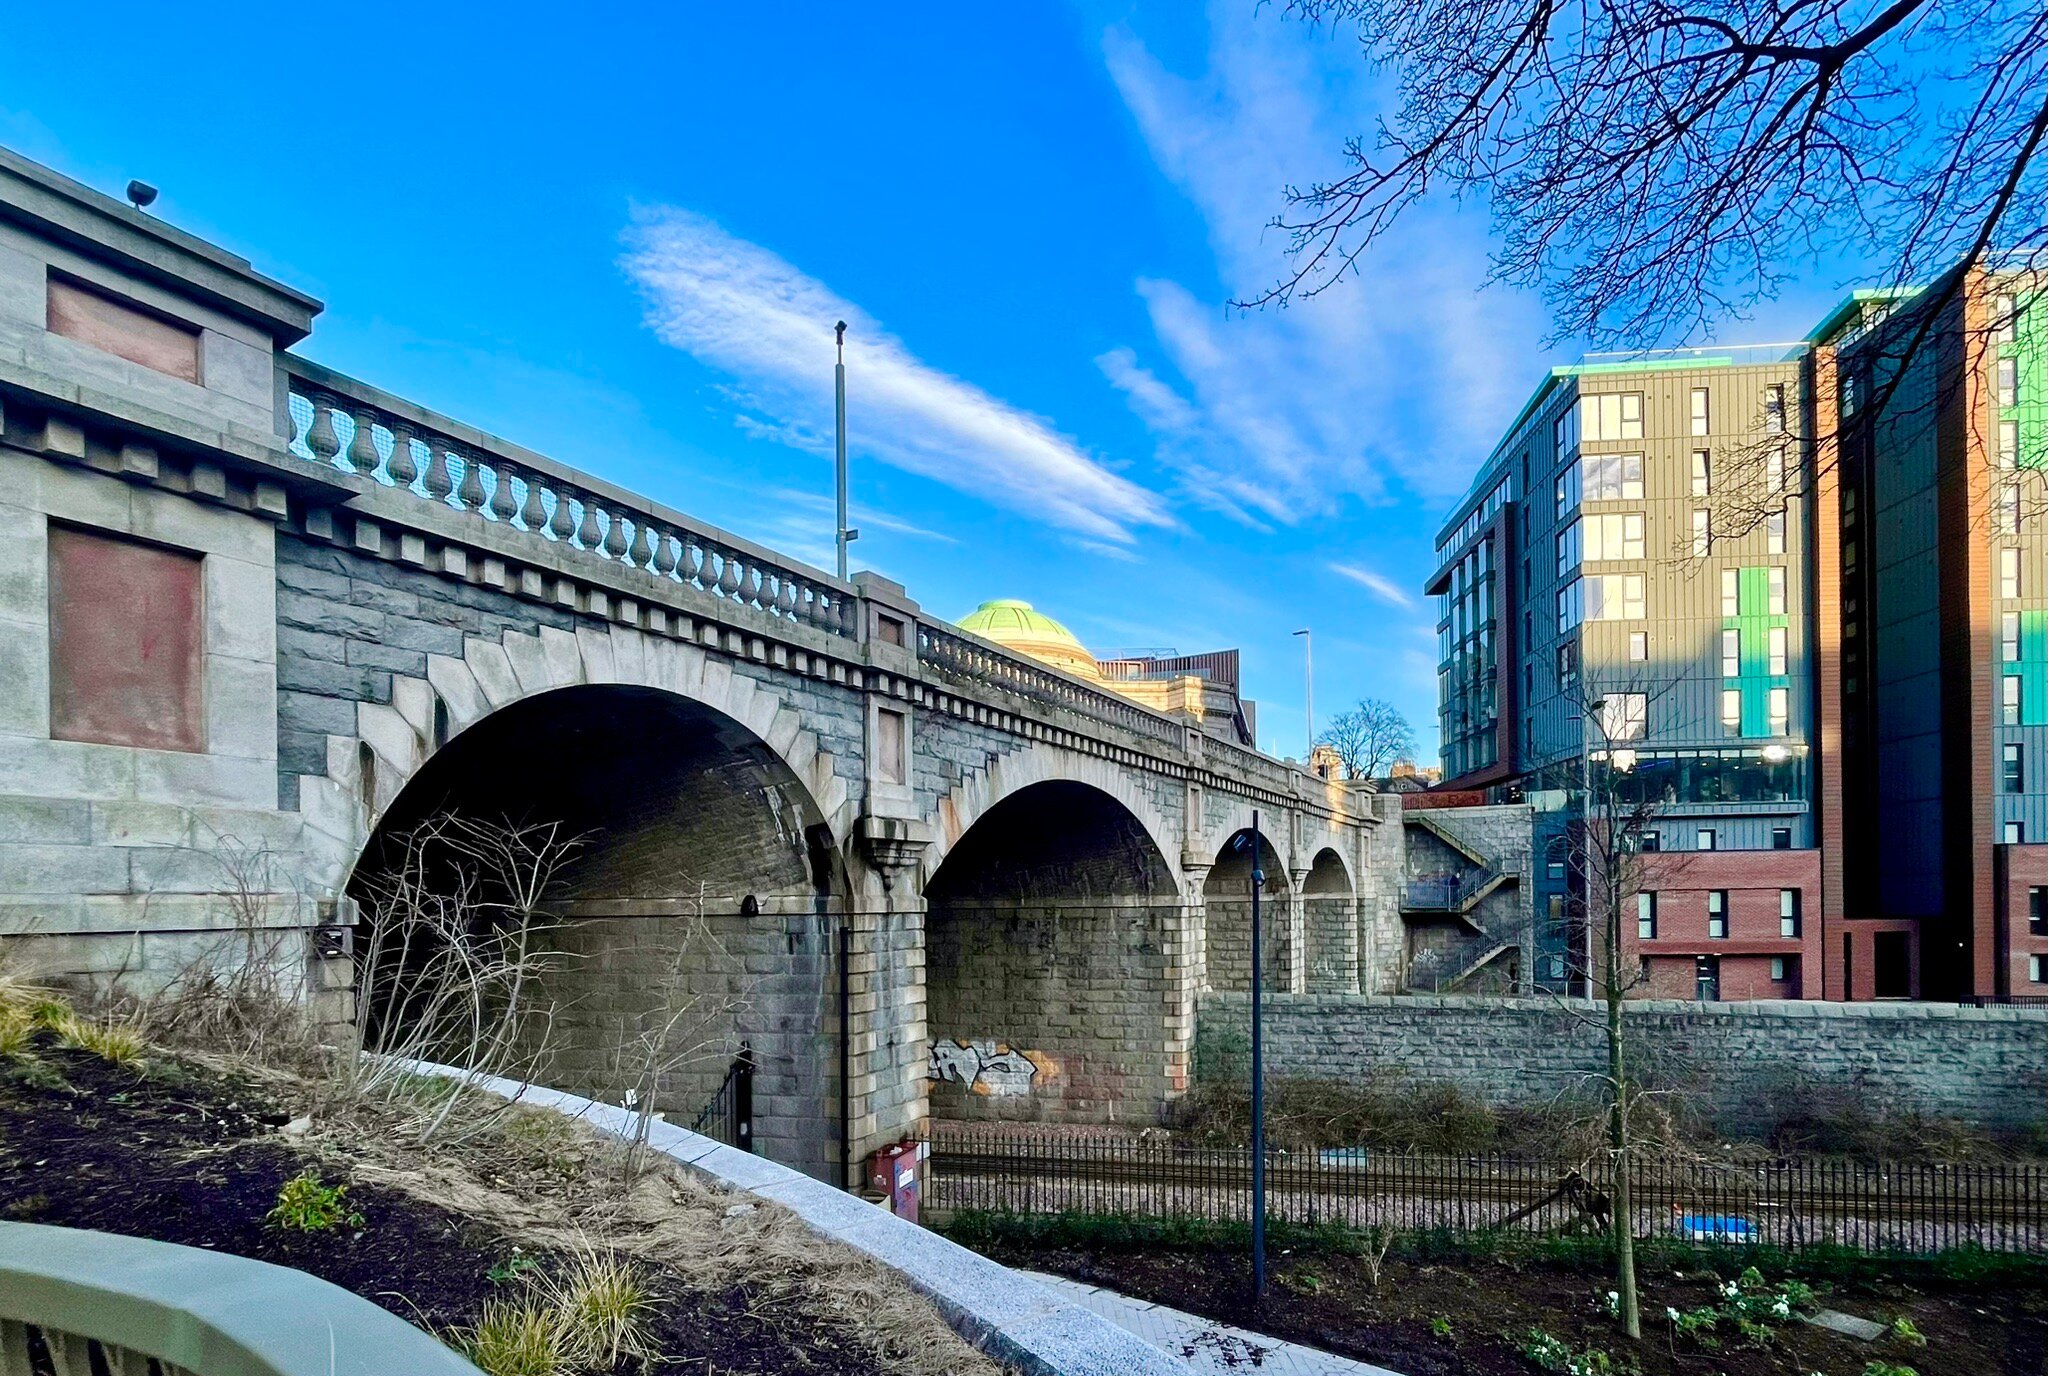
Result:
[{"x": 1009, "y": 614}]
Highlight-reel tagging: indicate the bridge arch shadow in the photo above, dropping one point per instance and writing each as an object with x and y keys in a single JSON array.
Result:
[
  {"x": 696, "y": 907},
  {"x": 1227, "y": 913},
  {"x": 1055, "y": 944}
]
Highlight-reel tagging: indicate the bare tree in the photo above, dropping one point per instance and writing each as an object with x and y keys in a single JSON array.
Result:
[
  {"x": 1611, "y": 869},
  {"x": 1657, "y": 165},
  {"x": 1369, "y": 738}
]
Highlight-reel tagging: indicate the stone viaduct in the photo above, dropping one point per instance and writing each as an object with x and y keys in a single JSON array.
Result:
[{"x": 256, "y": 615}]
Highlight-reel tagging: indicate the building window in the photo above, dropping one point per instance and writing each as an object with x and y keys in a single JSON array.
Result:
[
  {"x": 1699, "y": 411},
  {"x": 1774, "y": 532},
  {"x": 2009, "y": 700},
  {"x": 2012, "y": 777},
  {"x": 1731, "y": 711},
  {"x": 1646, "y": 917},
  {"x": 1612, "y": 477},
  {"x": 1717, "y": 911},
  {"x": 1778, "y": 638},
  {"x": 1788, "y": 912},
  {"x": 1706, "y": 979},
  {"x": 1702, "y": 532},
  {"x": 1564, "y": 431},
  {"x": 2009, "y": 573},
  {"x": 1703, "y": 839},
  {"x": 1568, "y": 549},
  {"x": 1780, "y": 710},
  {"x": 2008, "y": 443},
  {"x": 1776, "y": 605},
  {"x": 1611, "y": 416},
  {"x": 1638, "y": 645},
  {"x": 2014, "y": 834},
  {"x": 1774, "y": 409},
  {"x": 2034, "y": 970},
  {"x": 2008, "y": 382},
  {"x": 2037, "y": 912},
  {"x": 1781, "y": 838},
  {"x": 1623, "y": 715},
  {"x": 1652, "y": 841},
  {"x": 1778, "y": 970},
  {"x": 2009, "y": 508},
  {"x": 1614, "y": 597},
  {"x": 1618, "y": 536},
  {"x": 1567, "y": 663},
  {"x": 2005, "y": 320},
  {"x": 2009, "y": 636},
  {"x": 1774, "y": 471},
  {"x": 1568, "y": 489},
  {"x": 1702, "y": 479},
  {"x": 1731, "y": 653},
  {"x": 1850, "y": 395},
  {"x": 127, "y": 642},
  {"x": 1731, "y": 593},
  {"x": 1571, "y": 605}
]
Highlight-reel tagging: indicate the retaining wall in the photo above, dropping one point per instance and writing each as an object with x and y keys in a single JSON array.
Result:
[{"x": 1744, "y": 1066}]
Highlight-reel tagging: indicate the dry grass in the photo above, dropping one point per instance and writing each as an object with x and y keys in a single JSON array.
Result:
[
  {"x": 16, "y": 1028},
  {"x": 603, "y": 1302},
  {"x": 112, "y": 1040},
  {"x": 518, "y": 1337}
]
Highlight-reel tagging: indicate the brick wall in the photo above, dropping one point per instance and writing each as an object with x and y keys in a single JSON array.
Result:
[{"x": 1745, "y": 1066}]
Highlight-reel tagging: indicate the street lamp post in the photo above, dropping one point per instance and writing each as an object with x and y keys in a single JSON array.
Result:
[
  {"x": 1308, "y": 673},
  {"x": 1258, "y": 1076}
]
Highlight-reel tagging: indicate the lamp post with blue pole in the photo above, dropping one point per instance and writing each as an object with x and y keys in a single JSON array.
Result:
[{"x": 1258, "y": 1073}]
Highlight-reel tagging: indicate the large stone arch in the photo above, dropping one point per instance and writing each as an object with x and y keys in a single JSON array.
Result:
[
  {"x": 711, "y": 888},
  {"x": 366, "y": 771},
  {"x": 1226, "y": 909},
  {"x": 981, "y": 790}
]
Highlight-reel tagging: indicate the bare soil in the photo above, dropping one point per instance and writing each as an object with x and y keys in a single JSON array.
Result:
[
  {"x": 1471, "y": 1317},
  {"x": 189, "y": 1152}
]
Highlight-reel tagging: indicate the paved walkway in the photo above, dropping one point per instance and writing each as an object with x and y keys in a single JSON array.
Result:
[{"x": 1206, "y": 1346}]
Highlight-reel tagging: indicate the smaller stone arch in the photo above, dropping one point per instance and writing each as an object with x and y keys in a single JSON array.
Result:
[
  {"x": 1329, "y": 924},
  {"x": 1227, "y": 914}
]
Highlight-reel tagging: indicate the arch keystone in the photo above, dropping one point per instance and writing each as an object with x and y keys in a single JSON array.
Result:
[
  {"x": 563, "y": 658},
  {"x": 595, "y": 649}
]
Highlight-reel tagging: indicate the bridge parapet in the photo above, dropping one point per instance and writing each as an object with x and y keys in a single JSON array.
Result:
[{"x": 353, "y": 427}]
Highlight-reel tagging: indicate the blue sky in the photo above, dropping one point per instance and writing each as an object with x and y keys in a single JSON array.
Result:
[{"x": 623, "y": 240}]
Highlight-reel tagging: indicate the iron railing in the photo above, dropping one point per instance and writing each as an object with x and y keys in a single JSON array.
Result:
[
  {"x": 1445, "y": 892},
  {"x": 1791, "y": 1203},
  {"x": 729, "y": 1116}
]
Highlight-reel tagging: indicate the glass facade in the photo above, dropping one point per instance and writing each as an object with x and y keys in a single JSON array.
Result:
[{"x": 1468, "y": 671}]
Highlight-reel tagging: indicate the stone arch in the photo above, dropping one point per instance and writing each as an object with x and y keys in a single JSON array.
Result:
[
  {"x": 1227, "y": 909},
  {"x": 1329, "y": 924},
  {"x": 1006, "y": 776},
  {"x": 392, "y": 742},
  {"x": 713, "y": 880},
  {"x": 1055, "y": 934}
]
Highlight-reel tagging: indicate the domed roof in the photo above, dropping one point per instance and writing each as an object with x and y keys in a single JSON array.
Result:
[{"x": 1017, "y": 626}]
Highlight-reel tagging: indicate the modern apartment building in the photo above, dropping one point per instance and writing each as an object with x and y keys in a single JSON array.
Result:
[{"x": 1794, "y": 601}]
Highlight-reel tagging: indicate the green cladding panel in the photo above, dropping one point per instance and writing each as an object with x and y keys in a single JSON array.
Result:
[{"x": 1753, "y": 622}]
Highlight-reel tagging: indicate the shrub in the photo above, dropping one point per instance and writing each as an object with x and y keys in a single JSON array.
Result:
[
  {"x": 601, "y": 1303},
  {"x": 16, "y": 1028},
  {"x": 307, "y": 1206},
  {"x": 523, "y": 1337},
  {"x": 1555, "y": 1354}
]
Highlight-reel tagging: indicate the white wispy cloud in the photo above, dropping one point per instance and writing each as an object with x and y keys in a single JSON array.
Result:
[
  {"x": 1389, "y": 385},
  {"x": 1380, "y": 586},
  {"x": 741, "y": 309}
]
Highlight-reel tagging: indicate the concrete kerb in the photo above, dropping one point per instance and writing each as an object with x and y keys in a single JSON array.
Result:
[{"x": 1003, "y": 1312}]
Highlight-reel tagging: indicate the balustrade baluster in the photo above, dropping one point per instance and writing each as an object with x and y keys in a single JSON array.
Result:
[
  {"x": 321, "y": 438},
  {"x": 664, "y": 562},
  {"x": 439, "y": 479},
  {"x": 504, "y": 502},
  {"x": 401, "y": 466},
  {"x": 690, "y": 568},
  {"x": 729, "y": 575},
  {"x": 588, "y": 535},
  {"x": 643, "y": 553},
  {"x": 362, "y": 449},
  {"x": 470, "y": 493},
  {"x": 614, "y": 533},
  {"x": 562, "y": 525},
  {"x": 533, "y": 512}
]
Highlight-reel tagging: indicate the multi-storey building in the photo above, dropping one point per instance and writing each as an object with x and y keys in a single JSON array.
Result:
[
  {"x": 1794, "y": 600},
  {"x": 1597, "y": 628}
]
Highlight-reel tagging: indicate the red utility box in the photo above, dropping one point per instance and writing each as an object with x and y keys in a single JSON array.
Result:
[{"x": 892, "y": 1174}]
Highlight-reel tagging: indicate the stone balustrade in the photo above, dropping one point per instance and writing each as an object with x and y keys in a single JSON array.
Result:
[
  {"x": 958, "y": 655},
  {"x": 352, "y": 428}
]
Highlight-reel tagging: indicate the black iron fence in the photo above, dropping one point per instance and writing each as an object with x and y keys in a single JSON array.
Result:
[
  {"x": 729, "y": 1117},
  {"x": 1787, "y": 1203}
]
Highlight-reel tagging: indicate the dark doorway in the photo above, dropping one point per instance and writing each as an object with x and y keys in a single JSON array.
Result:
[{"x": 1892, "y": 957}]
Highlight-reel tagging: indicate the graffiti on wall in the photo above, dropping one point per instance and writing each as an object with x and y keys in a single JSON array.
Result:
[{"x": 986, "y": 1066}]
